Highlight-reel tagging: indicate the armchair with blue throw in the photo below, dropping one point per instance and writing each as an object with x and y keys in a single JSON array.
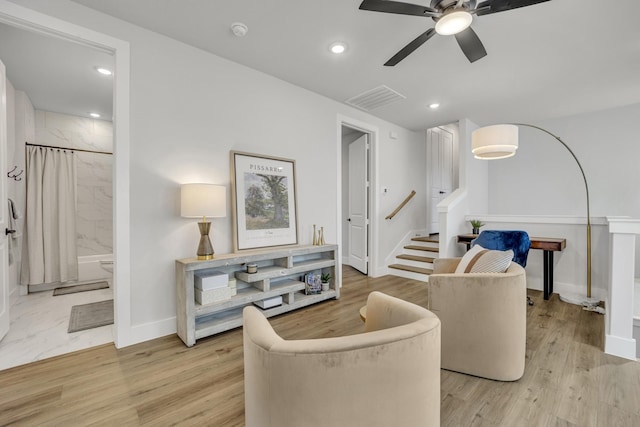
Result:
[{"x": 483, "y": 314}]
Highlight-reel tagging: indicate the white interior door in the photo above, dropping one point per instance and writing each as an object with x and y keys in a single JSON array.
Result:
[
  {"x": 440, "y": 152},
  {"x": 4, "y": 220},
  {"x": 358, "y": 220}
]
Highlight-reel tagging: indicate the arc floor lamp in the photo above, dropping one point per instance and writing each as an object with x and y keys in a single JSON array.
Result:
[{"x": 500, "y": 142}]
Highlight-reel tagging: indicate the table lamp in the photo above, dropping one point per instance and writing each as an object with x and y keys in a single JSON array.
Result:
[{"x": 203, "y": 200}]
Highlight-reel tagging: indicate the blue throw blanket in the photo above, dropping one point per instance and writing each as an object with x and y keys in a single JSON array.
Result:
[{"x": 503, "y": 240}]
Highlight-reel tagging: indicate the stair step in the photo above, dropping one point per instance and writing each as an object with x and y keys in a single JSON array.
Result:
[
  {"x": 415, "y": 258},
  {"x": 428, "y": 239},
  {"x": 421, "y": 248},
  {"x": 412, "y": 269}
]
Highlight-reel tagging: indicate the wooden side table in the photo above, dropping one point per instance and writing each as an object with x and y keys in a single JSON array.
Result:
[{"x": 548, "y": 245}]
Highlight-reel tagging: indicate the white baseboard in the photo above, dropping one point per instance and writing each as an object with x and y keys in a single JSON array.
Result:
[
  {"x": 636, "y": 335},
  {"x": 148, "y": 331},
  {"x": 378, "y": 272},
  {"x": 621, "y": 347}
]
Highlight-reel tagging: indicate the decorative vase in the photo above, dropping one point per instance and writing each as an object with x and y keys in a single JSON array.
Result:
[
  {"x": 325, "y": 286},
  {"x": 476, "y": 231},
  {"x": 315, "y": 236}
]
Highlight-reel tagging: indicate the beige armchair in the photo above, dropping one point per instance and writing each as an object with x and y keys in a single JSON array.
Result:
[
  {"x": 386, "y": 376},
  {"x": 484, "y": 320}
]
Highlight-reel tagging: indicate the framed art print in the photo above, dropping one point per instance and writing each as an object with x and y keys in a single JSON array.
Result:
[{"x": 263, "y": 200}]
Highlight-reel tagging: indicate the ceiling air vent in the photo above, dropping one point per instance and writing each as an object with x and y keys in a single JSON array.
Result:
[{"x": 375, "y": 98}]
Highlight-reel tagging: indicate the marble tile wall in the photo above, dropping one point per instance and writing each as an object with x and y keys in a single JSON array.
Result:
[{"x": 94, "y": 173}]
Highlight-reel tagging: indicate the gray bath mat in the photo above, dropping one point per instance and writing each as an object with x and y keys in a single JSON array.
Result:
[
  {"x": 89, "y": 316},
  {"x": 80, "y": 288}
]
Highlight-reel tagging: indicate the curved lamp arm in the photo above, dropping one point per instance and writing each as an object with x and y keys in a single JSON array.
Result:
[
  {"x": 498, "y": 151},
  {"x": 557, "y": 138}
]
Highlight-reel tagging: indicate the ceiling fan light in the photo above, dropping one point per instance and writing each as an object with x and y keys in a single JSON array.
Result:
[{"x": 453, "y": 22}]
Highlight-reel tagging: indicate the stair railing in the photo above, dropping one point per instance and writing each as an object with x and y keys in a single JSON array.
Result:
[{"x": 401, "y": 205}]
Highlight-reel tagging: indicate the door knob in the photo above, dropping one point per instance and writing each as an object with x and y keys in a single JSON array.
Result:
[
  {"x": 349, "y": 219},
  {"x": 7, "y": 231},
  {"x": 442, "y": 192}
]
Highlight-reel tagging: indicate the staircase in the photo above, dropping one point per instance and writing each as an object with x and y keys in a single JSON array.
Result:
[{"x": 416, "y": 260}]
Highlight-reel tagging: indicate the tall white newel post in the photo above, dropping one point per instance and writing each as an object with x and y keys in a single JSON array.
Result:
[{"x": 619, "y": 339}]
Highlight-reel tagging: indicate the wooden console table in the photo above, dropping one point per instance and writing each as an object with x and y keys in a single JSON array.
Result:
[
  {"x": 548, "y": 245},
  {"x": 279, "y": 274}
]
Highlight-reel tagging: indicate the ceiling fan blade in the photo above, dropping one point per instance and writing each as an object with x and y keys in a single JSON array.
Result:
[
  {"x": 494, "y": 6},
  {"x": 405, "y": 51},
  {"x": 471, "y": 45},
  {"x": 398, "y": 7}
]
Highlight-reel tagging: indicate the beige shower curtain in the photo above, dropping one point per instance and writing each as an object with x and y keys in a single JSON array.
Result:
[{"x": 49, "y": 250}]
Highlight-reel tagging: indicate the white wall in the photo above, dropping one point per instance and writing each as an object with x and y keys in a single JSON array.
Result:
[
  {"x": 188, "y": 110},
  {"x": 401, "y": 168},
  {"x": 543, "y": 178}
]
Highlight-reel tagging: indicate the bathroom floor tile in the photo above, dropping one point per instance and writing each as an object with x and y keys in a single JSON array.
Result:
[{"x": 39, "y": 324}]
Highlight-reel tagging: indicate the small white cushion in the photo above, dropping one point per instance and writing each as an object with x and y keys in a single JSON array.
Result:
[
  {"x": 481, "y": 260},
  {"x": 466, "y": 259}
]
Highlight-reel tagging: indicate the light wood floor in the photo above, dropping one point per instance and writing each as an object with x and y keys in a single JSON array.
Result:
[{"x": 568, "y": 380}]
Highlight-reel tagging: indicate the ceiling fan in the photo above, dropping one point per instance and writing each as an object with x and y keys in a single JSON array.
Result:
[{"x": 451, "y": 17}]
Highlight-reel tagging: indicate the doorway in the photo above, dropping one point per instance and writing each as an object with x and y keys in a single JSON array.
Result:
[
  {"x": 356, "y": 197},
  {"x": 441, "y": 179},
  {"x": 39, "y": 87},
  {"x": 32, "y": 22}
]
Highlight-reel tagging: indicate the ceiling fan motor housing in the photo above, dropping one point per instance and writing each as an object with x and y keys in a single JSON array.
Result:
[
  {"x": 441, "y": 5},
  {"x": 447, "y": 6}
]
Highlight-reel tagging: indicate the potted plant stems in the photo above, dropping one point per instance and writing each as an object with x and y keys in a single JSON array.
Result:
[{"x": 475, "y": 225}]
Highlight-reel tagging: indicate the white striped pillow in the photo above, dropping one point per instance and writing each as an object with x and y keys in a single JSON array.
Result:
[{"x": 485, "y": 261}]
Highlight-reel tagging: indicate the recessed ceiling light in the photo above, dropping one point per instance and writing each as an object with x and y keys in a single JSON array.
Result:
[
  {"x": 105, "y": 71},
  {"x": 94, "y": 115},
  {"x": 434, "y": 105},
  {"x": 338, "y": 47}
]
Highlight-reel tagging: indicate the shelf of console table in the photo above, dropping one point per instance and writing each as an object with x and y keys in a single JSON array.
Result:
[
  {"x": 548, "y": 245},
  {"x": 279, "y": 271}
]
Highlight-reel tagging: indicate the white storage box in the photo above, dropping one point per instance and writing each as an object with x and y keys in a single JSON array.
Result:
[
  {"x": 232, "y": 287},
  {"x": 208, "y": 280},
  {"x": 269, "y": 302},
  {"x": 214, "y": 295}
]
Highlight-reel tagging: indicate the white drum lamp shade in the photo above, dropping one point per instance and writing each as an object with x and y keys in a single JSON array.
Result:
[
  {"x": 494, "y": 142},
  {"x": 203, "y": 200}
]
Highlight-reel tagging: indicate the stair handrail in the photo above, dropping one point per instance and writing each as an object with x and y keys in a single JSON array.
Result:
[{"x": 401, "y": 205}]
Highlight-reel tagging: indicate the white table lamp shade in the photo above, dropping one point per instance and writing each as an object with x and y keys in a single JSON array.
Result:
[
  {"x": 494, "y": 142},
  {"x": 202, "y": 200}
]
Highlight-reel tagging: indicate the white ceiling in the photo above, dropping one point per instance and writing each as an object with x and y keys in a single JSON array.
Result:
[
  {"x": 57, "y": 75},
  {"x": 552, "y": 59}
]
